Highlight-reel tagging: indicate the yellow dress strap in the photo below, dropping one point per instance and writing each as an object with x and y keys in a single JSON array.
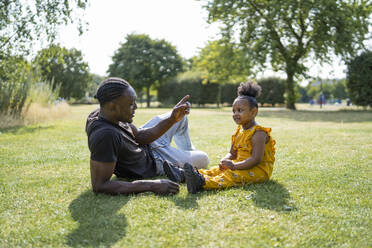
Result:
[{"x": 265, "y": 129}]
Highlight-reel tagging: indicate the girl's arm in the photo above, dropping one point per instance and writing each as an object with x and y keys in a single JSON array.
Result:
[
  {"x": 231, "y": 155},
  {"x": 228, "y": 158},
  {"x": 259, "y": 139}
]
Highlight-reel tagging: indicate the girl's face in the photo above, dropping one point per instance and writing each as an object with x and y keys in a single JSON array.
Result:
[{"x": 243, "y": 114}]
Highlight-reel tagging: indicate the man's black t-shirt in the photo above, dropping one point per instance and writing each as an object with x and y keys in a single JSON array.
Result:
[{"x": 109, "y": 142}]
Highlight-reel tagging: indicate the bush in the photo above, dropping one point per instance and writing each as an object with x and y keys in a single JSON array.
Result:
[
  {"x": 43, "y": 94},
  {"x": 15, "y": 83},
  {"x": 209, "y": 93},
  {"x": 359, "y": 79},
  {"x": 189, "y": 83},
  {"x": 303, "y": 96},
  {"x": 229, "y": 93},
  {"x": 272, "y": 91}
]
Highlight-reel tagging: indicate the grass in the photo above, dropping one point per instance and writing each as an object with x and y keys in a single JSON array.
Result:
[
  {"x": 319, "y": 195},
  {"x": 35, "y": 113}
]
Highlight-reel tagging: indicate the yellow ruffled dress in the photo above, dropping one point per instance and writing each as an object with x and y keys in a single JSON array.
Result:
[{"x": 242, "y": 143}]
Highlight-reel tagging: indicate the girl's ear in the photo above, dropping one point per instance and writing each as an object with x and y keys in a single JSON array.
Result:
[{"x": 255, "y": 111}]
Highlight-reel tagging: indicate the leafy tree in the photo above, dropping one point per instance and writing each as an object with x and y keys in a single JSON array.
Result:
[
  {"x": 222, "y": 62},
  {"x": 21, "y": 22},
  {"x": 272, "y": 91},
  {"x": 359, "y": 79},
  {"x": 287, "y": 33},
  {"x": 339, "y": 90},
  {"x": 65, "y": 69},
  {"x": 93, "y": 84},
  {"x": 145, "y": 62}
]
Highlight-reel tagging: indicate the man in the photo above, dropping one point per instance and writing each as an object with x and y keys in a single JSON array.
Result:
[{"x": 118, "y": 147}]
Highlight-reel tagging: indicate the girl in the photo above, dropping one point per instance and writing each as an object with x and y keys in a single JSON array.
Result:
[{"x": 251, "y": 156}]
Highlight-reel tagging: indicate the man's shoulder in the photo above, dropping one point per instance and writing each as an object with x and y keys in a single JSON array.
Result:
[
  {"x": 97, "y": 125},
  {"x": 100, "y": 126}
]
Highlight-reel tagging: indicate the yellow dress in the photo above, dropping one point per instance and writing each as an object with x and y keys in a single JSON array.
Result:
[{"x": 242, "y": 143}]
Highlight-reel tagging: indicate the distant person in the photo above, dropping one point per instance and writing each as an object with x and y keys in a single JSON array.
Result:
[
  {"x": 118, "y": 147},
  {"x": 251, "y": 157}
]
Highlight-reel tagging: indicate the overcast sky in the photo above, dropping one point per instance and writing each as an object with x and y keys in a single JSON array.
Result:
[{"x": 180, "y": 22}]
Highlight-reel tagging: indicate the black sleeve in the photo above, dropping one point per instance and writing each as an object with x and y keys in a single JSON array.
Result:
[{"x": 104, "y": 146}]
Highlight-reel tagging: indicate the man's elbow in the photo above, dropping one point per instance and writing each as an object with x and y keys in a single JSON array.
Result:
[{"x": 98, "y": 188}]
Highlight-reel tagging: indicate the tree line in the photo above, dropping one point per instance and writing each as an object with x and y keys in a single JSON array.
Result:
[{"x": 255, "y": 34}]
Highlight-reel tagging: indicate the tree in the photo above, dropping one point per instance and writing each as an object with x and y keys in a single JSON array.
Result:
[
  {"x": 65, "y": 69},
  {"x": 93, "y": 84},
  {"x": 21, "y": 22},
  {"x": 287, "y": 33},
  {"x": 221, "y": 62},
  {"x": 359, "y": 79},
  {"x": 339, "y": 89},
  {"x": 145, "y": 62}
]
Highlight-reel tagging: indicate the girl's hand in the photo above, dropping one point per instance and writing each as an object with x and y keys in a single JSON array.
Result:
[
  {"x": 227, "y": 164},
  {"x": 221, "y": 166}
]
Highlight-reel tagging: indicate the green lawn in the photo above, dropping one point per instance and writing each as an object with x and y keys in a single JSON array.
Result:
[{"x": 319, "y": 195}]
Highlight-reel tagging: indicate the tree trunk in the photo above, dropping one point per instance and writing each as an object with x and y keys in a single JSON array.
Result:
[
  {"x": 290, "y": 91},
  {"x": 148, "y": 100}
]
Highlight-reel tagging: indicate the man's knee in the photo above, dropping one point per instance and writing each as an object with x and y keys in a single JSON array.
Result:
[{"x": 200, "y": 160}]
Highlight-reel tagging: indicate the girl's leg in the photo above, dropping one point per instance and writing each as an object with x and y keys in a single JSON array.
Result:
[{"x": 227, "y": 178}]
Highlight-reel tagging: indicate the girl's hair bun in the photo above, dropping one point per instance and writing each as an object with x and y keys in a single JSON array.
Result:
[{"x": 249, "y": 88}]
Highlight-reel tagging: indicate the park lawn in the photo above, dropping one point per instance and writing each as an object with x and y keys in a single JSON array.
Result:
[{"x": 319, "y": 194}]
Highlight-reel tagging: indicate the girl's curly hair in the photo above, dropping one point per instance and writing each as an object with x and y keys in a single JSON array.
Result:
[{"x": 249, "y": 91}]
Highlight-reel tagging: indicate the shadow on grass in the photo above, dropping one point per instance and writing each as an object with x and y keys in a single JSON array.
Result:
[
  {"x": 187, "y": 202},
  {"x": 347, "y": 116},
  {"x": 271, "y": 195},
  {"x": 99, "y": 223},
  {"x": 24, "y": 129}
]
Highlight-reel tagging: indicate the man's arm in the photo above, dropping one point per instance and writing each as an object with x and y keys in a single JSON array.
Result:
[
  {"x": 148, "y": 135},
  {"x": 101, "y": 174}
]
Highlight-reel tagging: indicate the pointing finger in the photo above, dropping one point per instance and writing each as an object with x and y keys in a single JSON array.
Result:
[{"x": 183, "y": 100}]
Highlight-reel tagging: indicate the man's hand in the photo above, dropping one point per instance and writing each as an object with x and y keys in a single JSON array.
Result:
[
  {"x": 181, "y": 109},
  {"x": 164, "y": 187},
  {"x": 148, "y": 135}
]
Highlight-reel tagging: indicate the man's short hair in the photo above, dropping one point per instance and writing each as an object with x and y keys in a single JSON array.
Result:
[{"x": 110, "y": 89}]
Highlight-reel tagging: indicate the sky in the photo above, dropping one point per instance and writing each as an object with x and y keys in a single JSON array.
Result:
[{"x": 183, "y": 23}]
